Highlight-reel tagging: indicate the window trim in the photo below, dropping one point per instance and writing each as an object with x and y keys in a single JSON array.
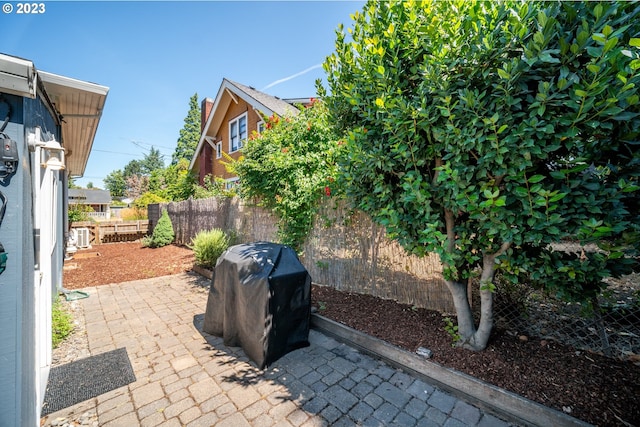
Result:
[
  {"x": 218, "y": 148},
  {"x": 231, "y": 183},
  {"x": 236, "y": 121}
]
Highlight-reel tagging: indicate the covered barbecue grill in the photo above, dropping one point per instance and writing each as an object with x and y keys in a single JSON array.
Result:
[{"x": 260, "y": 300}]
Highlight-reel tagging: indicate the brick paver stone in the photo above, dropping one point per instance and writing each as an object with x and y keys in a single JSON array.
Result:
[{"x": 189, "y": 378}]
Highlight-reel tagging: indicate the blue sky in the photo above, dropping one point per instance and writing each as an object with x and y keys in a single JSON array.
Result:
[{"x": 155, "y": 55}]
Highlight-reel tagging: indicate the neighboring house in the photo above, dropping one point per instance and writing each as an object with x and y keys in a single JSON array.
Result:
[
  {"x": 98, "y": 200},
  {"x": 227, "y": 121},
  {"x": 47, "y": 135}
]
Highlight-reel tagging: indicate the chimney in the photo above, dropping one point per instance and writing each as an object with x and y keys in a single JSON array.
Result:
[{"x": 205, "y": 110}]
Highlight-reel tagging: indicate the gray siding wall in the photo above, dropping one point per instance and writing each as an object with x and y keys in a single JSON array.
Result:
[
  {"x": 18, "y": 372},
  {"x": 17, "y": 334}
]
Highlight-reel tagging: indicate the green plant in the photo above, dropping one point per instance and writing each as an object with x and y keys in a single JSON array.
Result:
[
  {"x": 212, "y": 187},
  {"x": 61, "y": 323},
  {"x": 290, "y": 167},
  {"x": 208, "y": 246},
  {"x": 451, "y": 329},
  {"x": 146, "y": 242},
  {"x": 78, "y": 212},
  {"x": 322, "y": 305},
  {"x": 163, "y": 232},
  {"x": 486, "y": 131}
]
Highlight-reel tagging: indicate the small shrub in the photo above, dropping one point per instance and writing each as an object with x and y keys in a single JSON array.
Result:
[
  {"x": 163, "y": 232},
  {"x": 208, "y": 246},
  {"x": 61, "y": 323},
  {"x": 146, "y": 242},
  {"x": 78, "y": 212}
]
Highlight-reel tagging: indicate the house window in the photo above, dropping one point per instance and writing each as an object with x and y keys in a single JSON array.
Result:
[
  {"x": 218, "y": 149},
  {"x": 237, "y": 132},
  {"x": 232, "y": 183},
  {"x": 260, "y": 126}
]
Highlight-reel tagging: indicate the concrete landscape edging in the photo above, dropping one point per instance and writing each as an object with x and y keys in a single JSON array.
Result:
[{"x": 506, "y": 404}]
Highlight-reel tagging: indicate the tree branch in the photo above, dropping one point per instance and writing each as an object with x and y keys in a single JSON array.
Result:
[
  {"x": 450, "y": 223},
  {"x": 437, "y": 172}
]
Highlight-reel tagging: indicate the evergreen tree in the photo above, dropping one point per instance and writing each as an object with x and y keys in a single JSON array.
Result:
[
  {"x": 189, "y": 134},
  {"x": 163, "y": 232},
  {"x": 151, "y": 162}
]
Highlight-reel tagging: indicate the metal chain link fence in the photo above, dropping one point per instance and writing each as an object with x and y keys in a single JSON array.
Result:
[{"x": 608, "y": 324}]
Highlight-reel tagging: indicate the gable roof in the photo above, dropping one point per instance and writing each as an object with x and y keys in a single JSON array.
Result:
[
  {"x": 265, "y": 103},
  {"x": 268, "y": 102},
  {"x": 87, "y": 196}
]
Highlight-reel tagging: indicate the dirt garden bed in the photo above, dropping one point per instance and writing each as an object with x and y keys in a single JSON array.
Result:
[{"x": 586, "y": 385}]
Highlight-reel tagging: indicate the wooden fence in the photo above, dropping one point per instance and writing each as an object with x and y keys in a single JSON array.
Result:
[
  {"x": 114, "y": 231},
  {"x": 345, "y": 249}
]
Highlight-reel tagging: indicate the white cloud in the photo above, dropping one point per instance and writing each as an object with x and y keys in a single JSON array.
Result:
[{"x": 293, "y": 76}]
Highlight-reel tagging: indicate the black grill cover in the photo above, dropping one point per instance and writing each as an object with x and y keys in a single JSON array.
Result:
[{"x": 260, "y": 300}]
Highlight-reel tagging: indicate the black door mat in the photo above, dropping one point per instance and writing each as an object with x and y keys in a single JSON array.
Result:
[{"x": 86, "y": 378}]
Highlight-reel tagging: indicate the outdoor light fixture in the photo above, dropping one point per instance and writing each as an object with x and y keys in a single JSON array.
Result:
[
  {"x": 52, "y": 156},
  {"x": 50, "y": 152}
]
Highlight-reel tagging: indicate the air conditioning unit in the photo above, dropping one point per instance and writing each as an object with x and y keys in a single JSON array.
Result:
[{"x": 84, "y": 238}]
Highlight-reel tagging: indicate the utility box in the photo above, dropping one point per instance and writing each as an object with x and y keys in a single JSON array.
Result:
[{"x": 260, "y": 300}]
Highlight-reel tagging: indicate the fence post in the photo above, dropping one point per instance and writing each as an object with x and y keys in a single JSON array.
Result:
[{"x": 189, "y": 219}]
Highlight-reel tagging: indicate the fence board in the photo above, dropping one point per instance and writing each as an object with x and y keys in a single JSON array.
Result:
[{"x": 345, "y": 249}]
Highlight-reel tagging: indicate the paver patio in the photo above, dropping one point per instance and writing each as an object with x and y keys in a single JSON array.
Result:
[{"x": 188, "y": 378}]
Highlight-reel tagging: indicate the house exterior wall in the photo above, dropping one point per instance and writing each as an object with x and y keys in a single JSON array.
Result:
[
  {"x": 28, "y": 283},
  {"x": 18, "y": 332},
  {"x": 234, "y": 111}
]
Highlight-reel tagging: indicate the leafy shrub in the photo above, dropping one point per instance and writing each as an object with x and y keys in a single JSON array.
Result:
[
  {"x": 290, "y": 167},
  {"x": 163, "y": 232},
  {"x": 212, "y": 187},
  {"x": 146, "y": 199},
  {"x": 208, "y": 246},
  {"x": 78, "y": 212},
  {"x": 61, "y": 323},
  {"x": 146, "y": 242}
]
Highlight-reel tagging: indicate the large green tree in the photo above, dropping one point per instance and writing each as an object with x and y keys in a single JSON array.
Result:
[
  {"x": 151, "y": 162},
  {"x": 116, "y": 184},
  {"x": 189, "y": 134},
  {"x": 488, "y": 131}
]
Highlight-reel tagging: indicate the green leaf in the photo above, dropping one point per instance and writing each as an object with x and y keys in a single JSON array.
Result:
[
  {"x": 597, "y": 11},
  {"x": 502, "y": 73},
  {"x": 557, "y": 197},
  {"x": 536, "y": 178},
  {"x": 593, "y": 68},
  {"x": 635, "y": 42},
  {"x": 562, "y": 83},
  {"x": 610, "y": 44},
  {"x": 521, "y": 192},
  {"x": 581, "y": 93},
  {"x": 538, "y": 38},
  {"x": 546, "y": 57},
  {"x": 557, "y": 175}
]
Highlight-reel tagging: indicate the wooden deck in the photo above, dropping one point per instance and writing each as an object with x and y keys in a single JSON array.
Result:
[{"x": 114, "y": 231}]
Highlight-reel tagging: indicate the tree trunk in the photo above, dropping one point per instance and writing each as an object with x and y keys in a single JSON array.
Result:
[{"x": 473, "y": 338}]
